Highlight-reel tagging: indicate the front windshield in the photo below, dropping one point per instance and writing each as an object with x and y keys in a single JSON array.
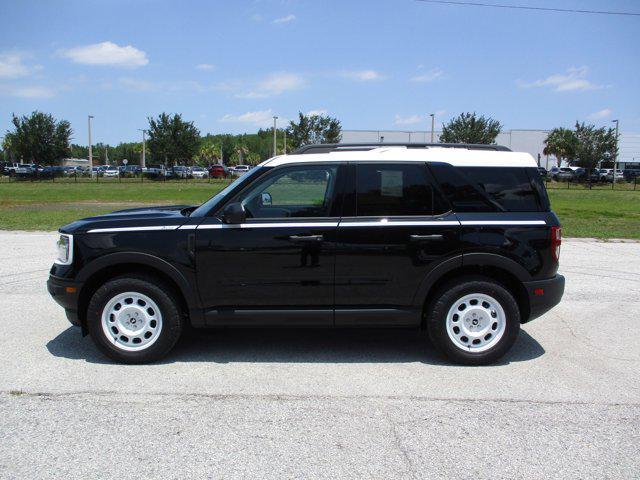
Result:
[{"x": 213, "y": 201}]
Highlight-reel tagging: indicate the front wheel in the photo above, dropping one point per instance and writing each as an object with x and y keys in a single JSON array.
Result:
[
  {"x": 134, "y": 319},
  {"x": 473, "y": 321}
]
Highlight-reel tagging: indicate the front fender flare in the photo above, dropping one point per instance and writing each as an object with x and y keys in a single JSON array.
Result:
[{"x": 188, "y": 290}]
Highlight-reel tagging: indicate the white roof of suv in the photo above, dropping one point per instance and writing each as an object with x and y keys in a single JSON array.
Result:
[{"x": 458, "y": 157}]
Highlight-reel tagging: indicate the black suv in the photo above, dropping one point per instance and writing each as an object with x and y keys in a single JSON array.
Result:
[{"x": 456, "y": 239}]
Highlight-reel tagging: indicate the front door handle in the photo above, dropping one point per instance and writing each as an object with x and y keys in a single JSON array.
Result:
[
  {"x": 306, "y": 238},
  {"x": 425, "y": 238}
]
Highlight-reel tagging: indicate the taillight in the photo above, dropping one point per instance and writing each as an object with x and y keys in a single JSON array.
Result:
[{"x": 556, "y": 241}]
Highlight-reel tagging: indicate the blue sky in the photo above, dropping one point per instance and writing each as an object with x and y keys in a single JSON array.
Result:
[{"x": 232, "y": 65}]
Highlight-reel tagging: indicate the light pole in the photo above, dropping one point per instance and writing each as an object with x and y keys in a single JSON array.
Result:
[
  {"x": 144, "y": 148},
  {"x": 433, "y": 124},
  {"x": 90, "y": 148},
  {"x": 275, "y": 120},
  {"x": 615, "y": 157}
]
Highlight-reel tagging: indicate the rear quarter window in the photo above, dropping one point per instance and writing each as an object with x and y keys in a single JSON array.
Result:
[{"x": 481, "y": 189}]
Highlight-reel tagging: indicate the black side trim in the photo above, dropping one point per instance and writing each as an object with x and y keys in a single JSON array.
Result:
[
  {"x": 228, "y": 317},
  {"x": 378, "y": 317}
]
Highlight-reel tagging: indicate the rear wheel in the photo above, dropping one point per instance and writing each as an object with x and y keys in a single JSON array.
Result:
[
  {"x": 473, "y": 321},
  {"x": 134, "y": 319}
]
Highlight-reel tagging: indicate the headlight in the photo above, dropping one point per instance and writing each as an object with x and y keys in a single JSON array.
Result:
[{"x": 65, "y": 250}]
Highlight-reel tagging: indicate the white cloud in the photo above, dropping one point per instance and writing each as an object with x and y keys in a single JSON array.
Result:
[
  {"x": 261, "y": 118},
  {"x": 12, "y": 66},
  {"x": 28, "y": 91},
  {"x": 275, "y": 84},
  {"x": 320, "y": 111},
  {"x": 410, "y": 120},
  {"x": 287, "y": 19},
  {"x": 600, "y": 114},
  {"x": 205, "y": 66},
  {"x": 429, "y": 76},
  {"x": 363, "y": 75},
  {"x": 573, "y": 80},
  {"x": 107, "y": 53}
]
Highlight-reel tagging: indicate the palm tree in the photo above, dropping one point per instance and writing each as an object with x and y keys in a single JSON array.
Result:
[
  {"x": 241, "y": 149},
  {"x": 209, "y": 151},
  {"x": 562, "y": 144}
]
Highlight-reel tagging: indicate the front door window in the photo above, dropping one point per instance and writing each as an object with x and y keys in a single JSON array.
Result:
[{"x": 295, "y": 192}]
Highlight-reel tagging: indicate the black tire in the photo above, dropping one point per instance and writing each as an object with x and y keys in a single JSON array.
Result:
[
  {"x": 445, "y": 298},
  {"x": 163, "y": 296}
]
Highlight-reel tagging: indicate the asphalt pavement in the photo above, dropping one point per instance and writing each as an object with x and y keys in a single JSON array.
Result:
[{"x": 564, "y": 403}]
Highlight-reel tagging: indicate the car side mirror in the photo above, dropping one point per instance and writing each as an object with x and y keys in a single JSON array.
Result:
[
  {"x": 234, "y": 214},
  {"x": 265, "y": 199}
]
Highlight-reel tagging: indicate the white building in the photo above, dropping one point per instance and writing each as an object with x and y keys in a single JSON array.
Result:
[{"x": 531, "y": 141}]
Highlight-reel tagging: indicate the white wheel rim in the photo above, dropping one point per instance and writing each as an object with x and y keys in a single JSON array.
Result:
[
  {"x": 131, "y": 321},
  {"x": 476, "y": 322}
]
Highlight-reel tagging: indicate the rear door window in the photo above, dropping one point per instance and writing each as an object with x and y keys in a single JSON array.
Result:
[{"x": 396, "y": 190}]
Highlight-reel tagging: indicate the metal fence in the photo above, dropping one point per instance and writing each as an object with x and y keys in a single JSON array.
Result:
[
  {"x": 69, "y": 179},
  {"x": 623, "y": 185}
]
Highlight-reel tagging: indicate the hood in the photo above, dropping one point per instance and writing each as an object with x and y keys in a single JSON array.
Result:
[{"x": 171, "y": 215}]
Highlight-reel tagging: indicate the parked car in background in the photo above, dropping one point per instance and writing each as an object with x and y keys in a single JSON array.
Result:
[
  {"x": 199, "y": 172},
  {"x": 74, "y": 171},
  {"x": 579, "y": 174},
  {"x": 51, "y": 172},
  {"x": 594, "y": 176},
  {"x": 630, "y": 174},
  {"x": 130, "y": 170},
  {"x": 9, "y": 168},
  {"x": 180, "y": 171},
  {"x": 157, "y": 171},
  {"x": 543, "y": 172},
  {"x": 219, "y": 171},
  {"x": 110, "y": 172},
  {"x": 564, "y": 174},
  {"x": 28, "y": 170},
  {"x": 619, "y": 176},
  {"x": 239, "y": 170}
]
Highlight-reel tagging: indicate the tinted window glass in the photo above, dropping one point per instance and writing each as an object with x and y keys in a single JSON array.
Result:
[
  {"x": 509, "y": 187},
  {"x": 300, "y": 191},
  {"x": 463, "y": 196},
  {"x": 396, "y": 189}
]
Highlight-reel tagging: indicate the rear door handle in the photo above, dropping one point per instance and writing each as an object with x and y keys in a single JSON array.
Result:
[
  {"x": 306, "y": 238},
  {"x": 425, "y": 238}
]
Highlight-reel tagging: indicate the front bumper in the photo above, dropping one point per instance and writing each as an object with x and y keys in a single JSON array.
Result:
[
  {"x": 543, "y": 295},
  {"x": 66, "y": 294}
]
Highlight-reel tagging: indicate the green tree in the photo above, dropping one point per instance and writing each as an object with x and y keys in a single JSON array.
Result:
[
  {"x": 40, "y": 138},
  {"x": 594, "y": 145},
  {"x": 470, "y": 128},
  {"x": 562, "y": 144},
  {"x": 173, "y": 140},
  {"x": 310, "y": 129},
  {"x": 209, "y": 152}
]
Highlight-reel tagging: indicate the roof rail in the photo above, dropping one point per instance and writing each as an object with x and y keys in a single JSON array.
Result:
[{"x": 347, "y": 147}]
